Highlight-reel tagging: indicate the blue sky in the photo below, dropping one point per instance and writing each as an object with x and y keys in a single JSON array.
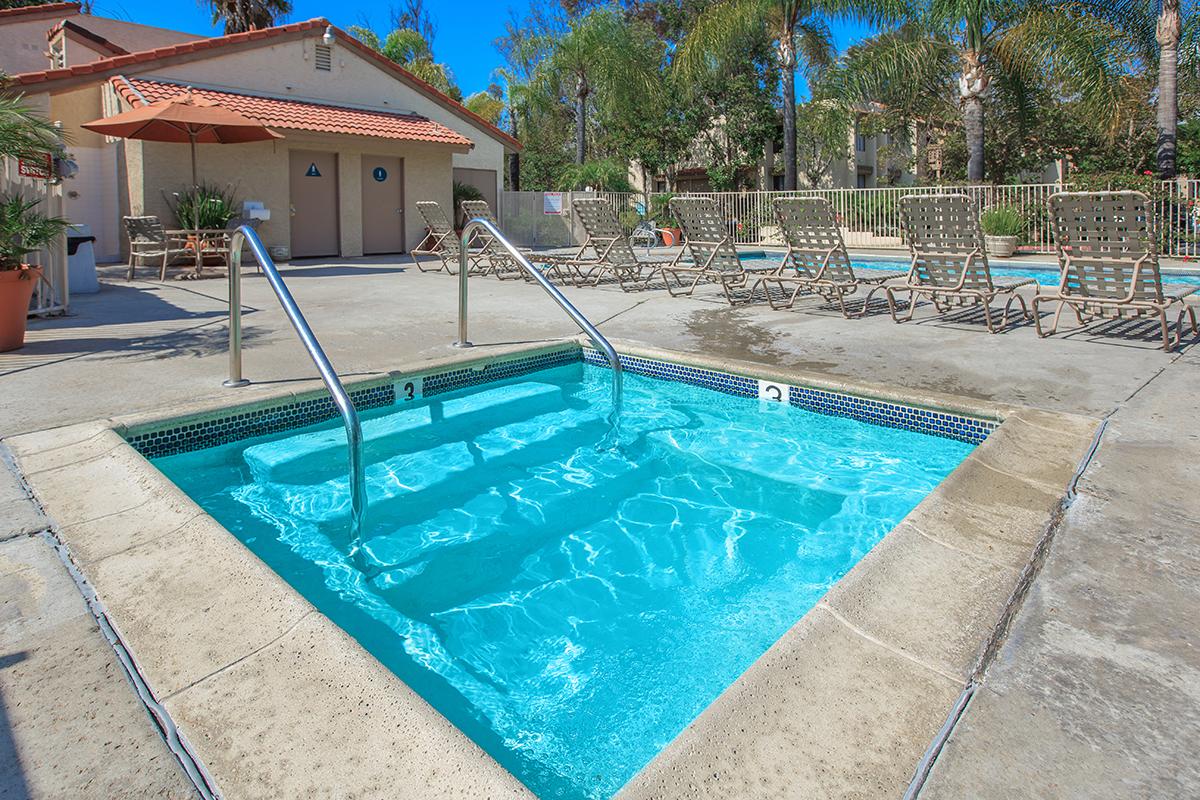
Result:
[{"x": 465, "y": 30}]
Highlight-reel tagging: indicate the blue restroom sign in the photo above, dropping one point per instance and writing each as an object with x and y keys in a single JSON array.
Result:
[
  {"x": 312, "y": 171},
  {"x": 379, "y": 174}
]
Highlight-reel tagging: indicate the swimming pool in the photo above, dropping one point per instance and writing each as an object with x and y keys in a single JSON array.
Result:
[
  {"x": 1045, "y": 275},
  {"x": 572, "y": 609}
]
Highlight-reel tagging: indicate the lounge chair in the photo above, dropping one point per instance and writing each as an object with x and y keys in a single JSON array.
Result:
[
  {"x": 816, "y": 261},
  {"x": 490, "y": 254},
  {"x": 611, "y": 251},
  {"x": 714, "y": 256},
  {"x": 949, "y": 263},
  {"x": 1109, "y": 263},
  {"x": 148, "y": 239},
  {"x": 440, "y": 240}
]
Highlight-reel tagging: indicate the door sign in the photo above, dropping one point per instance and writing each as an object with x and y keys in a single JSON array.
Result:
[
  {"x": 379, "y": 174},
  {"x": 312, "y": 171}
]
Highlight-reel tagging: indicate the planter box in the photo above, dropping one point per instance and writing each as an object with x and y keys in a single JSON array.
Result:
[{"x": 1001, "y": 246}]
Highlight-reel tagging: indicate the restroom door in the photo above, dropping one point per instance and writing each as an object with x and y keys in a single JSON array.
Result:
[
  {"x": 382, "y": 204},
  {"x": 314, "y": 194}
]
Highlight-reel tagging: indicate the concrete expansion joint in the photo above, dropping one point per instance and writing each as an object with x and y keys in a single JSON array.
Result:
[
  {"x": 1012, "y": 607},
  {"x": 192, "y": 767},
  {"x": 265, "y": 645},
  {"x": 970, "y": 554},
  {"x": 890, "y": 648}
]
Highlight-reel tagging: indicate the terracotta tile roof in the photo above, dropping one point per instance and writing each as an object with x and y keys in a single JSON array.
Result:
[
  {"x": 106, "y": 67},
  {"x": 300, "y": 115},
  {"x": 49, "y": 9}
]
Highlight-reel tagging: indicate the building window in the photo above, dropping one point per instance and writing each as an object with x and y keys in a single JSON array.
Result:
[
  {"x": 860, "y": 143},
  {"x": 58, "y": 56},
  {"x": 324, "y": 58},
  {"x": 861, "y": 181}
]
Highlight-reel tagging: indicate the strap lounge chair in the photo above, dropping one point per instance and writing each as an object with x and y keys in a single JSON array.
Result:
[
  {"x": 149, "y": 240},
  {"x": 714, "y": 256},
  {"x": 816, "y": 261},
  {"x": 440, "y": 241},
  {"x": 949, "y": 264},
  {"x": 491, "y": 257},
  {"x": 1109, "y": 263},
  {"x": 612, "y": 253}
]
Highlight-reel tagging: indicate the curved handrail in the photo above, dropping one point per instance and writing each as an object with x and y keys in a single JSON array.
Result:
[
  {"x": 358, "y": 490},
  {"x": 601, "y": 344}
]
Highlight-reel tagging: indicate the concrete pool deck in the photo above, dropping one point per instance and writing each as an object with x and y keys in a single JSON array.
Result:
[{"x": 147, "y": 347}]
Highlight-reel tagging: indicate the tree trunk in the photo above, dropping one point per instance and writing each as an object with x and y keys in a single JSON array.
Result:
[
  {"x": 787, "y": 62},
  {"x": 1169, "y": 24},
  {"x": 920, "y": 154},
  {"x": 972, "y": 86},
  {"x": 514, "y": 160},
  {"x": 580, "y": 122}
]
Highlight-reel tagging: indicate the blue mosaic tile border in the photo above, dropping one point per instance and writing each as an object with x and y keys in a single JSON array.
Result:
[
  {"x": 877, "y": 412},
  {"x": 452, "y": 380},
  {"x": 221, "y": 430},
  {"x": 892, "y": 415},
  {"x": 217, "y": 431},
  {"x": 706, "y": 378}
]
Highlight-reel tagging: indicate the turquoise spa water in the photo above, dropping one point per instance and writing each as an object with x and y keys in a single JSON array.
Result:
[{"x": 572, "y": 610}]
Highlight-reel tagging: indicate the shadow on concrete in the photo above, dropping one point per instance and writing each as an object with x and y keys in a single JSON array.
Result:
[
  {"x": 337, "y": 270},
  {"x": 12, "y": 778},
  {"x": 132, "y": 304}
]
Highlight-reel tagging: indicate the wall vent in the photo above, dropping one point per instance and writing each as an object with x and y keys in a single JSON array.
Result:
[{"x": 323, "y": 59}]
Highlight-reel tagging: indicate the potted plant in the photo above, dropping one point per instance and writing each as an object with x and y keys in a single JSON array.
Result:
[
  {"x": 660, "y": 212},
  {"x": 22, "y": 231},
  {"x": 205, "y": 208},
  {"x": 463, "y": 192},
  {"x": 1003, "y": 228}
]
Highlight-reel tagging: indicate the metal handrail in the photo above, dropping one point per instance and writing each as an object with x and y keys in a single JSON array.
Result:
[
  {"x": 601, "y": 344},
  {"x": 358, "y": 490}
]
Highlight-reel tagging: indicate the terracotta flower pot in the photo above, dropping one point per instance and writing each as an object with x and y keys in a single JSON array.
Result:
[{"x": 16, "y": 289}]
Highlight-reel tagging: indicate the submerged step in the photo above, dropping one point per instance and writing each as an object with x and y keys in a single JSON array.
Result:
[{"x": 314, "y": 456}]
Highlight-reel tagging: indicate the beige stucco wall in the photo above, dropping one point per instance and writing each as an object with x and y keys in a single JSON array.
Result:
[
  {"x": 259, "y": 172},
  {"x": 286, "y": 70},
  {"x": 23, "y": 44}
]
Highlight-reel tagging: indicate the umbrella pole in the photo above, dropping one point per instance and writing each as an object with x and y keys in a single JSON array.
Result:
[{"x": 195, "y": 205}]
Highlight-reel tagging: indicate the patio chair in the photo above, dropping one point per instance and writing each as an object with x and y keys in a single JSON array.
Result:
[
  {"x": 1109, "y": 263},
  {"x": 612, "y": 251},
  {"x": 817, "y": 259},
  {"x": 949, "y": 264},
  {"x": 148, "y": 239},
  {"x": 440, "y": 240},
  {"x": 491, "y": 255},
  {"x": 714, "y": 256}
]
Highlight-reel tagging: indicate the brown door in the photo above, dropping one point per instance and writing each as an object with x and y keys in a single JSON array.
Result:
[
  {"x": 382, "y": 204},
  {"x": 314, "y": 191}
]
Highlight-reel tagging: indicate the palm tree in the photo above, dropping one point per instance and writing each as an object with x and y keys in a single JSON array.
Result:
[
  {"x": 1170, "y": 26},
  {"x": 601, "y": 58},
  {"x": 412, "y": 51},
  {"x": 1018, "y": 45},
  {"x": 23, "y": 132},
  {"x": 801, "y": 34},
  {"x": 240, "y": 16}
]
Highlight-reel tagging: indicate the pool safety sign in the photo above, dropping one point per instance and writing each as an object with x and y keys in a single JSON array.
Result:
[
  {"x": 772, "y": 392},
  {"x": 552, "y": 203}
]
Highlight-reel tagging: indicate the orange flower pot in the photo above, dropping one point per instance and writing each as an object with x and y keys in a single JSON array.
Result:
[{"x": 16, "y": 290}]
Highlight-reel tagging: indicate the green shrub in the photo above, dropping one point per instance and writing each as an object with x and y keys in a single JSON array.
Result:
[
  {"x": 207, "y": 207},
  {"x": 1003, "y": 221}
]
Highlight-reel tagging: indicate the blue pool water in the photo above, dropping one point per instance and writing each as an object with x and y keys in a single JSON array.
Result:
[
  {"x": 1046, "y": 276},
  {"x": 572, "y": 609}
]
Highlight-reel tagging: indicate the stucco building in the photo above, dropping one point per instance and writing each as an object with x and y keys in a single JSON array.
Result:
[{"x": 364, "y": 139}]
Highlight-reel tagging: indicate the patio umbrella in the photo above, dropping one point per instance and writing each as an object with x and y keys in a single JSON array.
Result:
[{"x": 185, "y": 118}]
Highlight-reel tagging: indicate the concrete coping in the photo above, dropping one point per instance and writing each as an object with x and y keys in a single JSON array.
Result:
[{"x": 845, "y": 703}]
